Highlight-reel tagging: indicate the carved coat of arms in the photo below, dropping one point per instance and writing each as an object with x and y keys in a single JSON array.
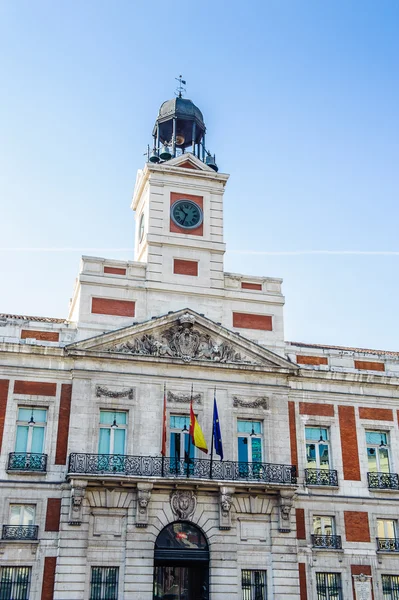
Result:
[{"x": 183, "y": 503}]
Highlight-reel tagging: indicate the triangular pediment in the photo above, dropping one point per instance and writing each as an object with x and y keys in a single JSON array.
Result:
[
  {"x": 183, "y": 336},
  {"x": 189, "y": 161}
]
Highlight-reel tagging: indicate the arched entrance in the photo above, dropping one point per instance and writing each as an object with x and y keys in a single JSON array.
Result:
[{"x": 181, "y": 563}]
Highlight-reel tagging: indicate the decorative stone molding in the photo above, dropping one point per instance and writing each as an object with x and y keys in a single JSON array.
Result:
[
  {"x": 184, "y": 342},
  {"x": 103, "y": 391},
  {"x": 184, "y": 398},
  {"x": 285, "y": 506},
  {"x": 143, "y": 500},
  {"x": 225, "y": 503},
  {"x": 78, "y": 488},
  {"x": 362, "y": 585},
  {"x": 183, "y": 503},
  {"x": 109, "y": 498},
  {"x": 258, "y": 402}
]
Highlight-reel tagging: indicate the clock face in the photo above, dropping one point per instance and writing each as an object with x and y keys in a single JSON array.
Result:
[
  {"x": 141, "y": 227},
  {"x": 186, "y": 214}
]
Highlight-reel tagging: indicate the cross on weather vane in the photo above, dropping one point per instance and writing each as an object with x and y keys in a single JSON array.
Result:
[{"x": 180, "y": 88}]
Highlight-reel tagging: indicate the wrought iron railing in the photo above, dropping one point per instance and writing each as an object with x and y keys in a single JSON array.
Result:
[
  {"x": 383, "y": 481},
  {"x": 198, "y": 468},
  {"x": 327, "y": 541},
  {"x": 27, "y": 461},
  {"x": 20, "y": 532},
  {"x": 388, "y": 544},
  {"x": 321, "y": 477}
]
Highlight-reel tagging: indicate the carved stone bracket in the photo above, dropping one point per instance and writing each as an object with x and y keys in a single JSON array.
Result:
[
  {"x": 183, "y": 503},
  {"x": 103, "y": 391},
  {"x": 362, "y": 584},
  {"x": 78, "y": 488},
  {"x": 225, "y": 504},
  {"x": 143, "y": 500},
  {"x": 184, "y": 398},
  {"x": 285, "y": 506},
  {"x": 259, "y": 402}
]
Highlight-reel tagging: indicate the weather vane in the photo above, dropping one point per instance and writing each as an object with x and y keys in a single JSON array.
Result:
[{"x": 180, "y": 88}]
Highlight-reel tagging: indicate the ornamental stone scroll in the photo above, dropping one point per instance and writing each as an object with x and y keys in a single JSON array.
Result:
[
  {"x": 285, "y": 506},
  {"x": 78, "y": 489},
  {"x": 143, "y": 499},
  {"x": 225, "y": 504}
]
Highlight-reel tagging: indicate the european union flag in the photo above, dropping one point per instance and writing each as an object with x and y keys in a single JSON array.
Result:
[{"x": 217, "y": 436}]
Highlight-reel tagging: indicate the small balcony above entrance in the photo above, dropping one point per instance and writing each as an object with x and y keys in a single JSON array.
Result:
[
  {"x": 118, "y": 465},
  {"x": 383, "y": 481},
  {"x": 27, "y": 462}
]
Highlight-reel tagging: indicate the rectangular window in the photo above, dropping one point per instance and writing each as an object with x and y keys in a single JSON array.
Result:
[
  {"x": 31, "y": 428},
  {"x": 253, "y": 585},
  {"x": 182, "y": 451},
  {"x": 323, "y": 525},
  {"x": 112, "y": 437},
  {"x": 104, "y": 583},
  {"x": 15, "y": 583},
  {"x": 386, "y": 528},
  {"x": 317, "y": 448},
  {"x": 249, "y": 441},
  {"x": 390, "y": 587},
  {"x": 22, "y": 514},
  {"x": 328, "y": 586},
  {"x": 377, "y": 451}
]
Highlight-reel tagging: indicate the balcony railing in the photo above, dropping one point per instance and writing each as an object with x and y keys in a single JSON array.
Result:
[
  {"x": 196, "y": 468},
  {"x": 388, "y": 544},
  {"x": 321, "y": 477},
  {"x": 20, "y": 532},
  {"x": 332, "y": 542},
  {"x": 383, "y": 481},
  {"x": 27, "y": 461}
]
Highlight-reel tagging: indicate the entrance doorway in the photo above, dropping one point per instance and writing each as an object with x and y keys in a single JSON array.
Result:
[{"x": 181, "y": 563}]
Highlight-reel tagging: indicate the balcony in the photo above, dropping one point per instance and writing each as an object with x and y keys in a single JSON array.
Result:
[
  {"x": 328, "y": 542},
  {"x": 388, "y": 544},
  {"x": 19, "y": 532},
  {"x": 383, "y": 481},
  {"x": 173, "y": 468},
  {"x": 27, "y": 461},
  {"x": 321, "y": 477}
]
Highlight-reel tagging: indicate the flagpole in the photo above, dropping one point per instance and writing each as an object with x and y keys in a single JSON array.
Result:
[
  {"x": 163, "y": 427},
  {"x": 189, "y": 436},
  {"x": 213, "y": 432}
]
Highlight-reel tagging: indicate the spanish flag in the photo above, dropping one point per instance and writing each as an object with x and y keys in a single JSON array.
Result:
[{"x": 197, "y": 437}]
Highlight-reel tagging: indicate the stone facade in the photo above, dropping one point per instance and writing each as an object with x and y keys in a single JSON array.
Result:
[{"x": 143, "y": 333}]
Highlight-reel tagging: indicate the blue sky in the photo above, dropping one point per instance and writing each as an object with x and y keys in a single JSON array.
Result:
[{"x": 300, "y": 100}]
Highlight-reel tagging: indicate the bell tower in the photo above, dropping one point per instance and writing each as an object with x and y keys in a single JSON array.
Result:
[{"x": 178, "y": 202}]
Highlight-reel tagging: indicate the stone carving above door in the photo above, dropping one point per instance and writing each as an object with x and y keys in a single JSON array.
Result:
[{"x": 183, "y": 503}]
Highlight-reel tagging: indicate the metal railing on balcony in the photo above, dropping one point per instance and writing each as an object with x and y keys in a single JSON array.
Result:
[
  {"x": 20, "y": 532},
  {"x": 383, "y": 481},
  {"x": 388, "y": 544},
  {"x": 27, "y": 461},
  {"x": 332, "y": 542},
  {"x": 165, "y": 467},
  {"x": 321, "y": 477}
]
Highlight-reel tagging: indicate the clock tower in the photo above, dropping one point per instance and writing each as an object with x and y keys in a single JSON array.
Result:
[{"x": 178, "y": 203}]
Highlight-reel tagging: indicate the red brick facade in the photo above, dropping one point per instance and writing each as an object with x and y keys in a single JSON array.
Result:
[
  {"x": 4, "y": 384},
  {"x": 248, "y": 321},
  {"x": 349, "y": 447},
  {"x": 293, "y": 442},
  {"x": 250, "y": 286},
  {"x": 50, "y": 563},
  {"x": 63, "y": 424},
  {"x": 185, "y": 267},
  {"x": 321, "y": 410},
  {"x": 376, "y": 414},
  {"x": 53, "y": 514},
  {"x": 115, "y": 270},
  {"x": 303, "y": 592},
  {"x": 365, "y": 365},
  {"x": 35, "y": 388},
  {"x": 300, "y": 524},
  {"x": 301, "y": 359},
  {"x": 118, "y": 308},
  {"x": 356, "y": 526},
  {"x": 45, "y": 336}
]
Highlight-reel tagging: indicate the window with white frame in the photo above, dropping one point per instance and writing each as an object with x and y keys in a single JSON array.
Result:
[
  {"x": 180, "y": 444},
  {"x": 249, "y": 434},
  {"x": 378, "y": 451},
  {"x": 15, "y": 583},
  {"x": 386, "y": 528},
  {"x": 329, "y": 586},
  {"x": 22, "y": 514},
  {"x": 390, "y": 587},
  {"x": 31, "y": 430},
  {"x": 317, "y": 448},
  {"x": 253, "y": 584},
  {"x": 104, "y": 583},
  {"x": 323, "y": 525},
  {"x": 112, "y": 437}
]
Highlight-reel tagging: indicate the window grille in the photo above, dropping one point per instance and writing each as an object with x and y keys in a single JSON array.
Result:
[
  {"x": 104, "y": 583},
  {"x": 15, "y": 583},
  {"x": 328, "y": 586},
  {"x": 390, "y": 587},
  {"x": 253, "y": 585}
]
